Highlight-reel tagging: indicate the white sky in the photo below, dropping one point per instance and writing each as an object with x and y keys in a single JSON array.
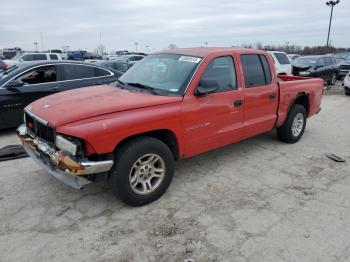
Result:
[{"x": 158, "y": 23}]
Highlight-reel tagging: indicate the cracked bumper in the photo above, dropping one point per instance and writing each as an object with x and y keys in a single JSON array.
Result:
[{"x": 58, "y": 164}]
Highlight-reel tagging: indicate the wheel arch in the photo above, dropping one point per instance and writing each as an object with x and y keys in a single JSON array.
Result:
[
  {"x": 302, "y": 99},
  {"x": 167, "y": 136}
]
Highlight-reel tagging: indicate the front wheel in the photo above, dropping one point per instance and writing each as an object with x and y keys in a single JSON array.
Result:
[
  {"x": 143, "y": 171},
  {"x": 333, "y": 79},
  {"x": 294, "y": 126},
  {"x": 347, "y": 91}
]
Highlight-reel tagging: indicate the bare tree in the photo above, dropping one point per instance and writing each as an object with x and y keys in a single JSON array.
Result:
[
  {"x": 100, "y": 49},
  {"x": 172, "y": 46}
]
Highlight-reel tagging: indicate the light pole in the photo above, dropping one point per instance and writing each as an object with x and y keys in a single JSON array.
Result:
[
  {"x": 136, "y": 46},
  {"x": 206, "y": 44},
  {"x": 147, "y": 46},
  {"x": 36, "y": 46},
  {"x": 331, "y": 4}
]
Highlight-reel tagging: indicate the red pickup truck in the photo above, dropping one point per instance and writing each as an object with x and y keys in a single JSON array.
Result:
[{"x": 170, "y": 105}]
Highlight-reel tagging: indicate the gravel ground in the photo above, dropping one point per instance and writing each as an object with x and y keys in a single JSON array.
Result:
[{"x": 258, "y": 200}]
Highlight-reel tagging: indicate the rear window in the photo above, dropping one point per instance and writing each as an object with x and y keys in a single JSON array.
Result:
[
  {"x": 256, "y": 70},
  {"x": 282, "y": 58}
]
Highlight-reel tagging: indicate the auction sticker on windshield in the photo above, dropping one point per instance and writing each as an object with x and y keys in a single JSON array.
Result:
[{"x": 190, "y": 59}]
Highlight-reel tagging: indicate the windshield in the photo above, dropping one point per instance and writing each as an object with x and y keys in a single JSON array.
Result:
[
  {"x": 4, "y": 74},
  {"x": 342, "y": 55},
  {"x": 16, "y": 57},
  {"x": 305, "y": 61},
  {"x": 169, "y": 73}
]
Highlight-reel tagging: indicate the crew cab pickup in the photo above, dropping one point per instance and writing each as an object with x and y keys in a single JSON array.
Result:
[{"x": 171, "y": 105}]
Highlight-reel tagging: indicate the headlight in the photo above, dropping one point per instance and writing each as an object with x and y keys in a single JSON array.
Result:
[
  {"x": 304, "y": 73},
  {"x": 66, "y": 145}
]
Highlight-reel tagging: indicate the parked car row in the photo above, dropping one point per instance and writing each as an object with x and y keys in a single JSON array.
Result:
[
  {"x": 24, "y": 83},
  {"x": 343, "y": 60},
  {"x": 322, "y": 66}
]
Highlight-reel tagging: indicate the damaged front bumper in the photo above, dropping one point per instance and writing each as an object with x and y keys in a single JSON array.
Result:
[{"x": 58, "y": 164}]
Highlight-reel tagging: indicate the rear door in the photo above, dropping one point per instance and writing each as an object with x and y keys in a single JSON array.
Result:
[
  {"x": 215, "y": 119},
  {"x": 260, "y": 95},
  {"x": 38, "y": 82}
]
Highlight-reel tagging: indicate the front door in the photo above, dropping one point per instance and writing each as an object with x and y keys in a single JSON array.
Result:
[
  {"x": 37, "y": 83},
  {"x": 215, "y": 119}
]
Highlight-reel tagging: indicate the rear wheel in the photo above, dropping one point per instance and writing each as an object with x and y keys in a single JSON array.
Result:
[
  {"x": 143, "y": 171},
  {"x": 294, "y": 126}
]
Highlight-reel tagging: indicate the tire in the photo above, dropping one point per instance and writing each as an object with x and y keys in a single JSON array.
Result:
[
  {"x": 288, "y": 132},
  {"x": 133, "y": 165},
  {"x": 333, "y": 80},
  {"x": 347, "y": 91}
]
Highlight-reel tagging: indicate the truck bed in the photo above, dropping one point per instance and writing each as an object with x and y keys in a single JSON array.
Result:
[{"x": 290, "y": 87}]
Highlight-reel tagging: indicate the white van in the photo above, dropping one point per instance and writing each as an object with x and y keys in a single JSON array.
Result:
[{"x": 282, "y": 62}]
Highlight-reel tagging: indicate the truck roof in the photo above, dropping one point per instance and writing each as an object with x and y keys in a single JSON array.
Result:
[{"x": 206, "y": 51}]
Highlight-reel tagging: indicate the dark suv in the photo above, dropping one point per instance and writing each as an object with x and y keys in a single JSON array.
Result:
[
  {"x": 343, "y": 60},
  {"x": 321, "y": 66}
]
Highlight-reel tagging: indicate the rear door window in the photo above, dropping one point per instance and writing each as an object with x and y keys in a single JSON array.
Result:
[
  {"x": 53, "y": 57},
  {"x": 267, "y": 71},
  {"x": 72, "y": 72},
  {"x": 253, "y": 69},
  {"x": 282, "y": 58}
]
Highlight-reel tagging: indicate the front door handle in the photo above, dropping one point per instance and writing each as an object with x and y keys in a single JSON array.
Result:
[
  {"x": 55, "y": 88},
  {"x": 238, "y": 103}
]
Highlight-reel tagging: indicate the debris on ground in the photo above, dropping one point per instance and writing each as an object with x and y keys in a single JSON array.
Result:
[
  {"x": 62, "y": 211},
  {"x": 12, "y": 152},
  {"x": 335, "y": 157}
]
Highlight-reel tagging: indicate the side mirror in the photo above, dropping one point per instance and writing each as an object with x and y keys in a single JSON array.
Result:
[
  {"x": 21, "y": 60},
  {"x": 206, "y": 86},
  {"x": 12, "y": 86}
]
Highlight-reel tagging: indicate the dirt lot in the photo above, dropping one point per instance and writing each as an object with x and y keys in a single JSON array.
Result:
[{"x": 258, "y": 200}]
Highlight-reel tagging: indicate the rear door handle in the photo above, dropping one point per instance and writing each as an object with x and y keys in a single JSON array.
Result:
[
  {"x": 97, "y": 83},
  {"x": 272, "y": 96},
  {"x": 238, "y": 103},
  {"x": 55, "y": 88}
]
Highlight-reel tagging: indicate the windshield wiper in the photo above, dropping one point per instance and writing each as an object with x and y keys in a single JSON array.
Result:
[
  {"x": 122, "y": 86},
  {"x": 139, "y": 85}
]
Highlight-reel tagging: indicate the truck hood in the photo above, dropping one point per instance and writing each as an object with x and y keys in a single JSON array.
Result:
[{"x": 82, "y": 103}]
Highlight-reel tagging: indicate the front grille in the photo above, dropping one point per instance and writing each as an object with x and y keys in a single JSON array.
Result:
[
  {"x": 345, "y": 67},
  {"x": 39, "y": 129}
]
